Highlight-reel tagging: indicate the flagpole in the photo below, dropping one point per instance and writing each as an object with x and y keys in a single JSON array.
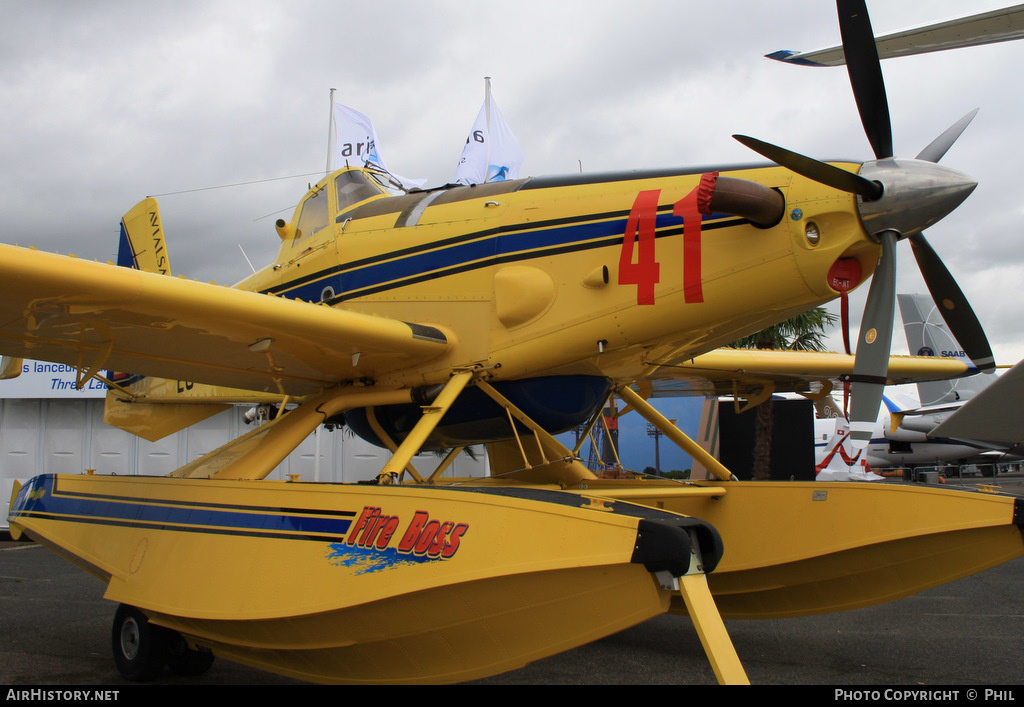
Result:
[
  {"x": 331, "y": 138},
  {"x": 487, "y": 108}
]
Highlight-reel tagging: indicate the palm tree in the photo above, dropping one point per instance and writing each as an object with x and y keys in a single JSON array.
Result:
[{"x": 804, "y": 332}]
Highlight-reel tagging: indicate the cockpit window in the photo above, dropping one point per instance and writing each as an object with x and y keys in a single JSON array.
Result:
[
  {"x": 352, "y": 187},
  {"x": 315, "y": 215}
]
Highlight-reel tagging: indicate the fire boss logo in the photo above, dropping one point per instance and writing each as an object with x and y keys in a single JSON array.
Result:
[{"x": 422, "y": 537}]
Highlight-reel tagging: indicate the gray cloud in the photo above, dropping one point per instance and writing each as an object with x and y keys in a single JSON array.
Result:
[{"x": 107, "y": 102}]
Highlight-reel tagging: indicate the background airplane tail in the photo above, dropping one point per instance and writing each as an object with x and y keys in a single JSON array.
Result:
[
  {"x": 928, "y": 335},
  {"x": 840, "y": 460}
]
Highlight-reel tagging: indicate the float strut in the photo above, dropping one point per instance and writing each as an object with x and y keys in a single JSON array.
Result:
[{"x": 711, "y": 629}]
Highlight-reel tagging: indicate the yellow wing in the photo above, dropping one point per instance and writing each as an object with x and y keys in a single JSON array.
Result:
[
  {"x": 752, "y": 373},
  {"x": 99, "y": 316}
]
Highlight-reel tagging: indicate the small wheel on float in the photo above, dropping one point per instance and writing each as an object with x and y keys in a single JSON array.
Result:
[
  {"x": 140, "y": 648},
  {"x": 183, "y": 660}
]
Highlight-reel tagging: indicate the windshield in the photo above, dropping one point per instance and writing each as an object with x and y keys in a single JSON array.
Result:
[
  {"x": 352, "y": 187},
  {"x": 315, "y": 214}
]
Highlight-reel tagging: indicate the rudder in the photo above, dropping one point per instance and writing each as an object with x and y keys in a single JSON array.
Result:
[{"x": 142, "y": 245}]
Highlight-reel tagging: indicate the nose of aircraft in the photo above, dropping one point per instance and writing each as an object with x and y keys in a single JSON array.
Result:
[
  {"x": 898, "y": 198},
  {"x": 915, "y": 195}
]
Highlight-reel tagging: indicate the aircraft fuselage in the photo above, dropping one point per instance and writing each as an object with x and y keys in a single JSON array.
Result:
[{"x": 588, "y": 274}]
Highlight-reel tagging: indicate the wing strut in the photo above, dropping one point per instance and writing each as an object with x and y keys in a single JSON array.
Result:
[
  {"x": 550, "y": 462},
  {"x": 666, "y": 427},
  {"x": 255, "y": 454},
  {"x": 416, "y": 438}
]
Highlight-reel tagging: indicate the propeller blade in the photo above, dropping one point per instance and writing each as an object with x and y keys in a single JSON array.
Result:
[
  {"x": 952, "y": 304},
  {"x": 940, "y": 145},
  {"x": 871, "y": 369},
  {"x": 865, "y": 74},
  {"x": 821, "y": 172}
]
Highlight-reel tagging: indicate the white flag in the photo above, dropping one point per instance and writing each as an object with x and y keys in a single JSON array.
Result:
[
  {"x": 355, "y": 140},
  {"x": 492, "y": 152},
  {"x": 355, "y": 143}
]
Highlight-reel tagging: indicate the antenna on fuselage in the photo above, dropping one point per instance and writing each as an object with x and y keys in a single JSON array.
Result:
[{"x": 246, "y": 257}]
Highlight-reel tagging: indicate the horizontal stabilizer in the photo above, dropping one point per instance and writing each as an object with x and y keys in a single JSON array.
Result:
[
  {"x": 10, "y": 367},
  {"x": 153, "y": 408},
  {"x": 154, "y": 421}
]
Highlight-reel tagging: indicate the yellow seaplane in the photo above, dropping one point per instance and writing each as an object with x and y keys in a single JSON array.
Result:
[{"x": 498, "y": 314}]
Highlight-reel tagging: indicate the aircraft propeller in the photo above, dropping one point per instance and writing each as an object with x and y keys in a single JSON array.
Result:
[{"x": 898, "y": 199}]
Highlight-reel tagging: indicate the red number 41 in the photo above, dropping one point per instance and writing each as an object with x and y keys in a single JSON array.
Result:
[{"x": 638, "y": 264}]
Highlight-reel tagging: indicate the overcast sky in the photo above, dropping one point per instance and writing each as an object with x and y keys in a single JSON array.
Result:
[{"x": 106, "y": 102}]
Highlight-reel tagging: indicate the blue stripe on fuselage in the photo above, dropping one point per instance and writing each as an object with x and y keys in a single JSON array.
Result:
[{"x": 469, "y": 252}]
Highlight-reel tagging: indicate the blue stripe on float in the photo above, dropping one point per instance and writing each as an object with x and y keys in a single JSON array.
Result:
[{"x": 40, "y": 499}]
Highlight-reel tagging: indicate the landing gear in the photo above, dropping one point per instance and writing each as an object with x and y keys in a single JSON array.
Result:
[
  {"x": 141, "y": 649},
  {"x": 183, "y": 660}
]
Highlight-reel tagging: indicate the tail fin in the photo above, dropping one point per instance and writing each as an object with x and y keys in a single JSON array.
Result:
[
  {"x": 142, "y": 245},
  {"x": 927, "y": 335},
  {"x": 826, "y": 407}
]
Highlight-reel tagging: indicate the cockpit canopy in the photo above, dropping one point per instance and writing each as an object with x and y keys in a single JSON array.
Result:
[{"x": 338, "y": 193}]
